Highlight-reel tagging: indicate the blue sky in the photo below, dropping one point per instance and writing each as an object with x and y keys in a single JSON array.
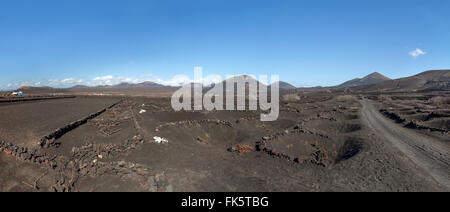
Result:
[{"x": 308, "y": 43}]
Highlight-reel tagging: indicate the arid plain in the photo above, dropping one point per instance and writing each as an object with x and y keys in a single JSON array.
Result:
[{"x": 371, "y": 136}]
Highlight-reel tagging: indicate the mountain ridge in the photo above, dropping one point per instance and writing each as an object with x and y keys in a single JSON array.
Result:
[
  {"x": 424, "y": 81},
  {"x": 427, "y": 80},
  {"x": 374, "y": 77}
]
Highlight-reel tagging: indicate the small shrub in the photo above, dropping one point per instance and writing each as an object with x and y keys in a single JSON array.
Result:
[
  {"x": 440, "y": 100},
  {"x": 291, "y": 97},
  {"x": 346, "y": 98}
]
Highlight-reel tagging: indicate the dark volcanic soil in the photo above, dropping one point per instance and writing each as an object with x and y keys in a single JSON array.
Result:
[
  {"x": 25, "y": 123},
  {"x": 319, "y": 143}
]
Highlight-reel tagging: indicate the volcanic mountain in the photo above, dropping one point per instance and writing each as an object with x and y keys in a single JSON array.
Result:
[
  {"x": 285, "y": 85},
  {"x": 146, "y": 84},
  {"x": 80, "y": 87},
  {"x": 247, "y": 78},
  {"x": 425, "y": 81},
  {"x": 369, "y": 79}
]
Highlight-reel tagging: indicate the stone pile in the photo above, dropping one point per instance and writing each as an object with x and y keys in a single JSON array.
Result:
[
  {"x": 31, "y": 154},
  {"x": 51, "y": 139},
  {"x": 104, "y": 151},
  {"x": 316, "y": 158},
  {"x": 85, "y": 162}
]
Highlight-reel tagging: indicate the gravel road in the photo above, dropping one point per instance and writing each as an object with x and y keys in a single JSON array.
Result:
[{"x": 428, "y": 154}]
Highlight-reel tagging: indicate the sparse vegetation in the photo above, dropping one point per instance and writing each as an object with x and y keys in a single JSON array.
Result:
[
  {"x": 292, "y": 97},
  {"x": 346, "y": 98},
  {"x": 440, "y": 100}
]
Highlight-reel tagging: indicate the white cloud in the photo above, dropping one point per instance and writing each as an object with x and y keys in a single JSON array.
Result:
[
  {"x": 177, "y": 80},
  {"x": 416, "y": 53},
  {"x": 180, "y": 80},
  {"x": 112, "y": 80},
  {"x": 108, "y": 77},
  {"x": 70, "y": 81},
  {"x": 103, "y": 80}
]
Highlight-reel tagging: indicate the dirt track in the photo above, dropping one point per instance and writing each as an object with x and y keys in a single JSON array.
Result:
[{"x": 426, "y": 153}]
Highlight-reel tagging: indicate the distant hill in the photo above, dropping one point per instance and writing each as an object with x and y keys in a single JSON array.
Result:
[
  {"x": 40, "y": 90},
  {"x": 282, "y": 85},
  {"x": 80, "y": 87},
  {"x": 369, "y": 79},
  {"x": 242, "y": 78},
  {"x": 425, "y": 81},
  {"x": 149, "y": 84},
  {"x": 285, "y": 85},
  {"x": 123, "y": 85},
  {"x": 146, "y": 84}
]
